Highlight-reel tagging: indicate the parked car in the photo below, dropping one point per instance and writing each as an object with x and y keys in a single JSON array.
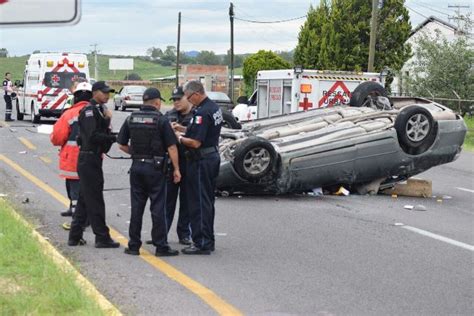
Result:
[
  {"x": 382, "y": 142},
  {"x": 129, "y": 97},
  {"x": 221, "y": 99},
  {"x": 226, "y": 105}
]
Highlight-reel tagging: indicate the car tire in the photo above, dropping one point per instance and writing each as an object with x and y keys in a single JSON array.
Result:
[
  {"x": 35, "y": 118},
  {"x": 115, "y": 106},
  {"x": 416, "y": 129},
  {"x": 19, "y": 115},
  {"x": 229, "y": 120},
  {"x": 365, "y": 91},
  {"x": 254, "y": 159}
]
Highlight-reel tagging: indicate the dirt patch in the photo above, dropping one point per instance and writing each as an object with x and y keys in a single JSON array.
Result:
[{"x": 9, "y": 286}]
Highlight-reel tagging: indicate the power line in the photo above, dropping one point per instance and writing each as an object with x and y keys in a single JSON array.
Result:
[
  {"x": 416, "y": 12},
  {"x": 271, "y": 22},
  {"x": 429, "y": 8}
]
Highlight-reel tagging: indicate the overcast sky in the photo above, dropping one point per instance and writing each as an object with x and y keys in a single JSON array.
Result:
[{"x": 130, "y": 27}]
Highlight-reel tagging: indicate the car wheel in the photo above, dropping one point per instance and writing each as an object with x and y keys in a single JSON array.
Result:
[
  {"x": 115, "y": 106},
  {"x": 254, "y": 158},
  {"x": 19, "y": 115},
  {"x": 35, "y": 118},
  {"x": 366, "y": 93},
  {"x": 229, "y": 120},
  {"x": 416, "y": 129}
]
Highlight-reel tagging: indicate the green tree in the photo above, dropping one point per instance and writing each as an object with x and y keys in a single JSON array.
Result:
[
  {"x": 336, "y": 36},
  {"x": 262, "y": 60},
  {"x": 154, "y": 52},
  {"x": 3, "y": 52},
  {"x": 206, "y": 57},
  {"x": 440, "y": 67}
]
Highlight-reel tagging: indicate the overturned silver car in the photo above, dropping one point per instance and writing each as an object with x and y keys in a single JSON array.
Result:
[{"x": 383, "y": 141}]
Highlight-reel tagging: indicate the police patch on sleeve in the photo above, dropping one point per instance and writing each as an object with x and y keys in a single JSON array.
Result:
[
  {"x": 89, "y": 113},
  {"x": 217, "y": 116},
  {"x": 198, "y": 120}
]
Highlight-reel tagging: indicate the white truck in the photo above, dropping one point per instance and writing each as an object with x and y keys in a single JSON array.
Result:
[
  {"x": 47, "y": 83},
  {"x": 288, "y": 91}
]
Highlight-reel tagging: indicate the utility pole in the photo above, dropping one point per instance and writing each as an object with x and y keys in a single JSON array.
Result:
[
  {"x": 96, "y": 66},
  {"x": 373, "y": 31},
  {"x": 177, "y": 50},
  {"x": 458, "y": 17},
  {"x": 231, "y": 16}
]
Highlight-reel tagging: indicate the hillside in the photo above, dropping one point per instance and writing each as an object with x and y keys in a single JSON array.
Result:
[{"x": 145, "y": 69}]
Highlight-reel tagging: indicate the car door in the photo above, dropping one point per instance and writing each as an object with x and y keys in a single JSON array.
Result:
[{"x": 117, "y": 98}]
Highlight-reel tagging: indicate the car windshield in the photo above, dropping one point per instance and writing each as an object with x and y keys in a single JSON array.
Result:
[
  {"x": 218, "y": 96},
  {"x": 63, "y": 80},
  {"x": 135, "y": 90}
]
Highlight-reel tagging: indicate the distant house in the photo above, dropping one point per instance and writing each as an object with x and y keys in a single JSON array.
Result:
[
  {"x": 213, "y": 77},
  {"x": 429, "y": 27}
]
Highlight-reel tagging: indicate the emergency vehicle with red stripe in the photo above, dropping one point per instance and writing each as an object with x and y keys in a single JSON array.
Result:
[
  {"x": 47, "y": 83},
  {"x": 294, "y": 90}
]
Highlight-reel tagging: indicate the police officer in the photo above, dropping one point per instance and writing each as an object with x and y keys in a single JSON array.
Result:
[
  {"x": 7, "y": 96},
  {"x": 94, "y": 140},
  {"x": 179, "y": 116},
  {"x": 202, "y": 166},
  {"x": 150, "y": 135}
]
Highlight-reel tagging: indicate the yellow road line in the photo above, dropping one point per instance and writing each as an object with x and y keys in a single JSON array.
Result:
[
  {"x": 63, "y": 263},
  {"x": 27, "y": 143},
  {"x": 208, "y": 296},
  {"x": 45, "y": 159}
]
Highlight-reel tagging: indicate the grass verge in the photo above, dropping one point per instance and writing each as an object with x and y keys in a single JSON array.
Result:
[
  {"x": 469, "y": 140},
  {"x": 30, "y": 282}
]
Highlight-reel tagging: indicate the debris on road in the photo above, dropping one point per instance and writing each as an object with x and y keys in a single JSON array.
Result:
[
  {"x": 398, "y": 224},
  {"x": 420, "y": 208},
  {"x": 22, "y": 152},
  {"x": 408, "y": 207},
  {"x": 44, "y": 129},
  {"x": 25, "y": 201},
  {"x": 412, "y": 188},
  {"x": 342, "y": 191}
]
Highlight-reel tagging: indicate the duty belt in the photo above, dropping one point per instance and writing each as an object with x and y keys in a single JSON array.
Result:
[
  {"x": 208, "y": 150},
  {"x": 147, "y": 160}
]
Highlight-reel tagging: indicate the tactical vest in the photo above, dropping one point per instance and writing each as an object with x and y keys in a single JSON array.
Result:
[{"x": 145, "y": 137}]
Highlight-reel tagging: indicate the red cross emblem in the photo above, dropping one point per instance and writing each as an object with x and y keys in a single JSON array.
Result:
[
  {"x": 55, "y": 78},
  {"x": 305, "y": 104}
]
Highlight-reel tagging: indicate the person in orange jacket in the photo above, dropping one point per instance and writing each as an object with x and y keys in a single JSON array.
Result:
[{"x": 65, "y": 132}]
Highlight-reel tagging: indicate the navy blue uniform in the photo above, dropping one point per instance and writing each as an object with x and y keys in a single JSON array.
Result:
[
  {"x": 94, "y": 140},
  {"x": 150, "y": 135},
  {"x": 202, "y": 167},
  {"x": 183, "y": 228},
  {"x": 7, "y": 85}
]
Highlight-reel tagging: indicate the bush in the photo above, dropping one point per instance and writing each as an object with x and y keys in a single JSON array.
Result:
[{"x": 132, "y": 76}]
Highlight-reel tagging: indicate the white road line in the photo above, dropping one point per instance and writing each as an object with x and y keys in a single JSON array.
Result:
[
  {"x": 440, "y": 238},
  {"x": 467, "y": 190}
]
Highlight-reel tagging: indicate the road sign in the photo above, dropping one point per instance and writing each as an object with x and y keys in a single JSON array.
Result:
[
  {"x": 121, "y": 64},
  {"x": 39, "y": 12}
]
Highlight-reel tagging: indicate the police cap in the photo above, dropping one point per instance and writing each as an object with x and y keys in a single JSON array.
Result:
[
  {"x": 178, "y": 93},
  {"x": 102, "y": 86},
  {"x": 151, "y": 94}
]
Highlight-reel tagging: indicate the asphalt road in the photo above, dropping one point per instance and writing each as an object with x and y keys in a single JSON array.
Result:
[{"x": 294, "y": 254}]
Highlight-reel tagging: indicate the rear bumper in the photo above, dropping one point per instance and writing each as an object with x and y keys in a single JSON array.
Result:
[
  {"x": 50, "y": 113},
  {"x": 132, "y": 104}
]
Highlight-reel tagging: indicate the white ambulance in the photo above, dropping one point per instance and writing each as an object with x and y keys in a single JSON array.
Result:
[
  {"x": 47, "y": 83},
  {"x": 291, "y": 90}
]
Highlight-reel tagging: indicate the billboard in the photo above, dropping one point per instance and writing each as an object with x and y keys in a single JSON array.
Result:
[
  {"x": 39, "y": 12},
  {"x": 121, "y": 63}
]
